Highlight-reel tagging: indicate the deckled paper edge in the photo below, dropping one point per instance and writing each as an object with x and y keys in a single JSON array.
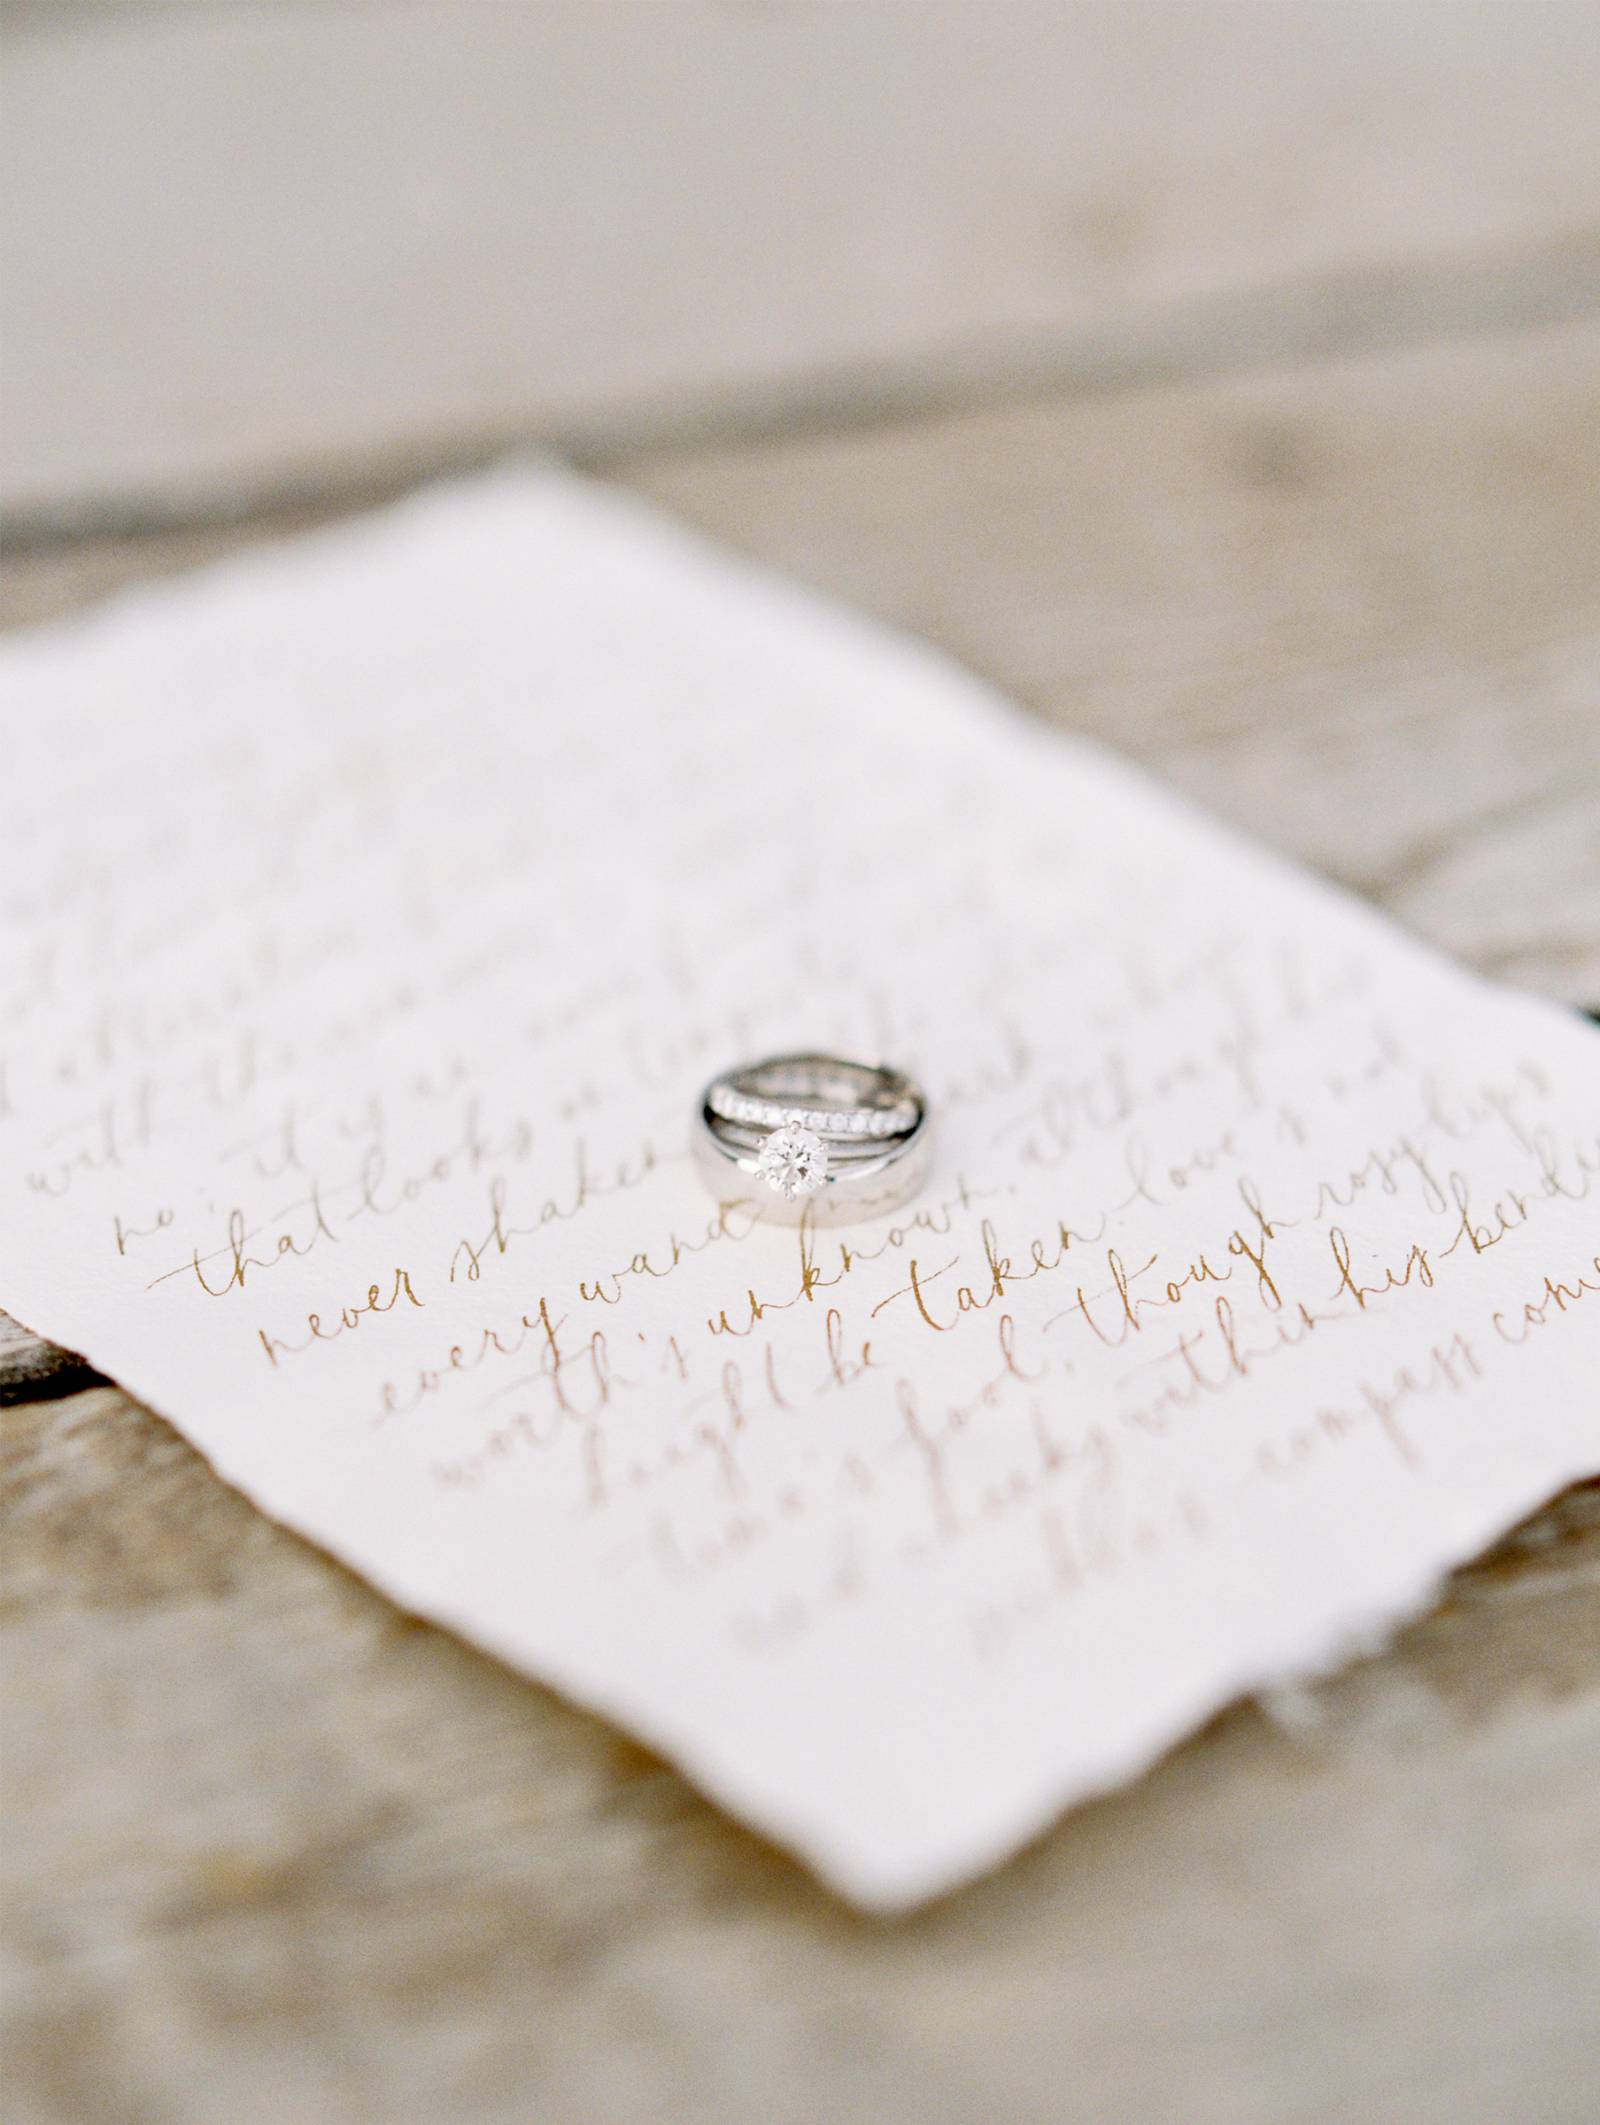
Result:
[
  {"x": 1372, "y": 1624},
  {"x": 1368, "y": 1630}
]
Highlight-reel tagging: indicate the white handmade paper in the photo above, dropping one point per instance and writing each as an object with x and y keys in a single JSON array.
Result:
[{"x": 375, "y": 908}]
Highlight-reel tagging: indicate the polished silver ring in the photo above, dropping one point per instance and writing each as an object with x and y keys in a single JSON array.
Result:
[{"x": 813, "y": 1136}]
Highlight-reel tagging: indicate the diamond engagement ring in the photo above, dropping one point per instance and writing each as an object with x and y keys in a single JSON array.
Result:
[{"x": 813, "y": 1135}]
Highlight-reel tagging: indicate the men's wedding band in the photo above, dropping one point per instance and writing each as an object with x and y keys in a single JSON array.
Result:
[{"x": 813, "y": 1136}]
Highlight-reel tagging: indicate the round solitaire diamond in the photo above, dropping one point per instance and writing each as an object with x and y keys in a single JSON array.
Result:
[{"x": 793, "y": 1160}]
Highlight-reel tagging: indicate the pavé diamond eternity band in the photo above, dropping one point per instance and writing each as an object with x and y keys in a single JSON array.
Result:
[{"x": 813, "y": 1136}]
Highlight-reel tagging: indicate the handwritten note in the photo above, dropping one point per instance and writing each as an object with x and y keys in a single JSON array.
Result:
[{"x": 374, "y": 908}]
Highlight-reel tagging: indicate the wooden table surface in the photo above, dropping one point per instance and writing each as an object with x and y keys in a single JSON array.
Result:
[{"x": 1222, "y": 379}]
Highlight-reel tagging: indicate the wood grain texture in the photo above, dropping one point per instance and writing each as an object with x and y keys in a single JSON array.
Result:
[
  {"x": 289, "y": 1857},
  {"x": 1354, "y": 607},
  {"x": 258, "y": 251},
  {"x": 279, "y": 1853},
  {"x": 1221, "y": 379}
]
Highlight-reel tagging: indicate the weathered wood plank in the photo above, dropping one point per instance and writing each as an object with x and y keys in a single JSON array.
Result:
[
  {"x": 259, "y": 251},
  {"x": 1353, "y": 607},
  {"x": 284, "y": 1855},
  {"x": 276, "y": 1852}
]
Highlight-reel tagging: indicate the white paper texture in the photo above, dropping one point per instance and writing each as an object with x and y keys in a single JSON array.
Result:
[{"x": 374, "y": 908}]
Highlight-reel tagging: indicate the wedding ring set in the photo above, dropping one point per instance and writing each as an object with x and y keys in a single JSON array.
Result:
[{"x": 813, "y": 1136}]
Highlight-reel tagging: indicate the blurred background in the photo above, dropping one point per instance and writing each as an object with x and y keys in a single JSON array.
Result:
[
  {"x": 1217, "y": 375},
  {"x": 1222, "y": 379}
]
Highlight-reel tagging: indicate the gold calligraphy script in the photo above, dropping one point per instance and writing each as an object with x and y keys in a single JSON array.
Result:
[{"x": 421, "y": 875}]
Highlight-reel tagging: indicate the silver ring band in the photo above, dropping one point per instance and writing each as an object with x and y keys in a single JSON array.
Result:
[{"x": 813, "y": 1136}]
